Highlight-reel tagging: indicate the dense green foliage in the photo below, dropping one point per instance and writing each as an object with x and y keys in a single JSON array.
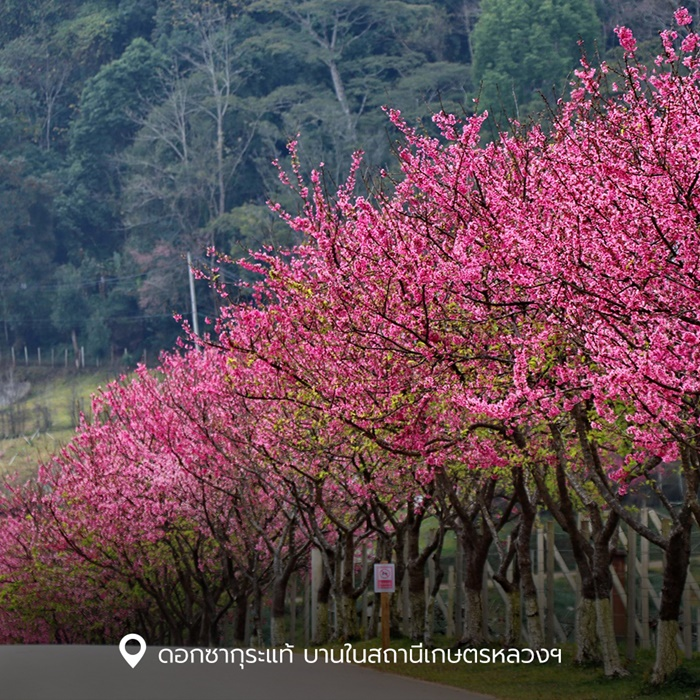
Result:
[
  {"x": 524, "y": 48},
  {"x": 133, "y": 131}
]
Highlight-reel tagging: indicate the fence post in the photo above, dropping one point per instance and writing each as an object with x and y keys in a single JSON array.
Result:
[
  {"x": 485, "y": 604},
  {"x": 405, "y": 597},
  {"x": 307, "y": 611},
  {"x": 541, "y": 601},
  {"x": 316, "y": 578},
  {"x": 549, "y": 629},
  {"x": 459, "y": 589},
  {"x": 38, "y": 356},
  {"x": 248, "y": 625},
  {"x": 26, "y": 356},
  {"x": 631, "y": 592},
  {"x": 430, "y": 601},
  {"x": 687, "y": 623},
  {"x": 385, "y": 616},
  {"x": 365, "y": 605},
  {"x": 644, "y": 584},
  {"x": 293, "y": 610},
  {"x": 428, "y": 630},
  {"x": 451, "y": 602},
  {"x": 12, "y": 352}
]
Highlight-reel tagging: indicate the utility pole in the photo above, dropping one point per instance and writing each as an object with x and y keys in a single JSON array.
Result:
[{"x": 193, "y": 297}]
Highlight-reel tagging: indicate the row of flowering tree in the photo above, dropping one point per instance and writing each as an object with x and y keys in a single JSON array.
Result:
[
  {"x": 526, "y": 309},
  {"x": 497, "y": 329}
]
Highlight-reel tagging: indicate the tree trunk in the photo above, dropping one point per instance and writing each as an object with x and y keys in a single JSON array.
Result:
[
  {"x": 339, "y": 90},
  {"x": 417, "y": 611},
  {"x": 416, "y": 578},
  {"x": 475, "y": 559},
  {"x": 668, "y": 656},
  {"x": 511, "y": 587},
  {"x": 76, "y": 347},
  {"x": 322, "y": 632},
  {"x": 278, "y": 623},
  {"x": 602, "y": 578},
  {"x": 512, "y": 635},
  {"x": 612, "y": 666},
  {"x": 348, "y": 609},
  {"x": 256, "y": 637},
  {"x": 438, "y": 572},
  {"x": 348, "y": 613},
  {"x": 533, "y": 621},
  {"x": 528, "y": 589},
  {"x": 240, "y": 619},
  {"x": 595, "y": 635},
  {"x": 429, "y": 625},
  {"x": 587, "y": 644},
  {"x": 400, "y": 569},
  {"x": 373, "y": 621},
  {"x": 473, "y": 634}
]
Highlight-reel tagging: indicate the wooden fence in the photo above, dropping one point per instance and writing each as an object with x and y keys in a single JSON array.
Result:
[
  {"x": 636, "y": 574},
  {"x": 65, "y": 357}
]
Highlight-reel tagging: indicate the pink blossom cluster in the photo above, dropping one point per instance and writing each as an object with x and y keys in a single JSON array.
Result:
[{"x": 530, "y": 306}]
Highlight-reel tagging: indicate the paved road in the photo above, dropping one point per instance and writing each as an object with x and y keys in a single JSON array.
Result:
[{"x": 100, "y": 673}]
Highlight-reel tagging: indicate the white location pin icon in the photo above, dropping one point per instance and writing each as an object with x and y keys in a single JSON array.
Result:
[{"x": 132, "y": 659}]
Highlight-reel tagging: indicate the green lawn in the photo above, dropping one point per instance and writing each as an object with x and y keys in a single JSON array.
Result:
[
  {"x": 48, "y": 415},
  {"x": 552, "y": 680}
]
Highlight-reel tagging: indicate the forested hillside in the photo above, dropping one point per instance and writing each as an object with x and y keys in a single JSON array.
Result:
[{"x": 134, "y": 131}]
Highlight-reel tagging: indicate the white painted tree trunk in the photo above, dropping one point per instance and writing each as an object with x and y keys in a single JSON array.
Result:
[
  {"x": 512, "y": 636},
  {"x": 533, "y": 622},
  {"x": 349, "y": 615},
  {"x": 429, "y": 626},
  {"x": 417, "y": 607},
  {"x": 612, "y": 665},
  {"x": 322, "y": 624},
  {"x": 373, "y": 621},
  {"x": 668, "y": 656},
  {"x": 473, "y": 634},
  {"x": 587, "y": 645},
  {"x": 278, "y": 631}
]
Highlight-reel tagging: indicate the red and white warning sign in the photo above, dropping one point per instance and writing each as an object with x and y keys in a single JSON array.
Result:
[{"x": 384, "y": 578}]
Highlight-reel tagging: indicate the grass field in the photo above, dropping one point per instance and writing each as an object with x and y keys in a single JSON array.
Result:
[
  {"x": 45, "y": 419},
  {"x": 552, "y": 681}
]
